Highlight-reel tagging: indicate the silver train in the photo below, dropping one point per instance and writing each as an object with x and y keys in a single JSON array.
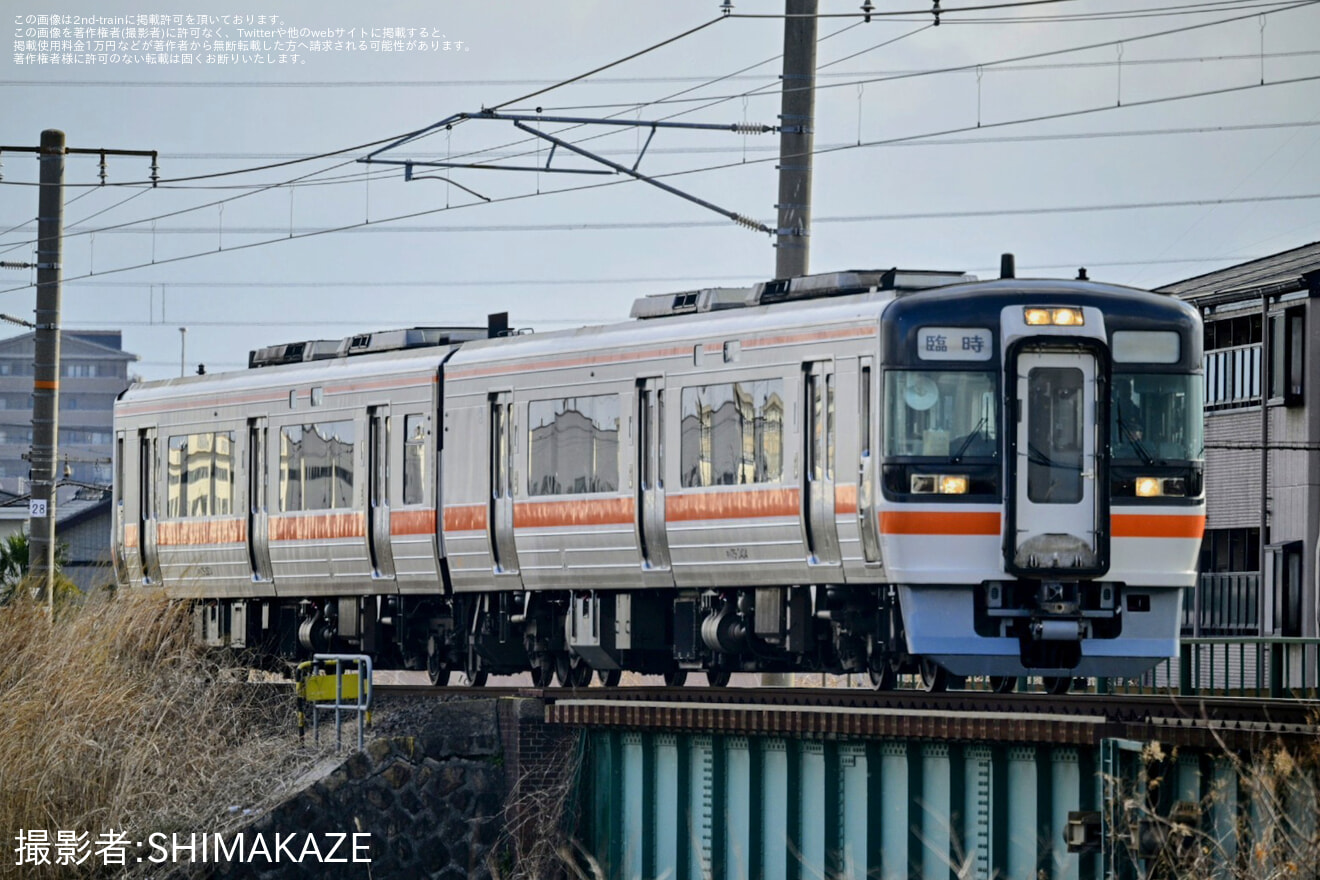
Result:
[{"x": 875, "y": 472}]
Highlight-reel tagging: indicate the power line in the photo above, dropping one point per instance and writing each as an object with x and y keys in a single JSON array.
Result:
[
  {"x": 388, "y": 284},
  {"x": 570, "y": 226},
  {"x": 727, "y": 165},
  {"x": 427, "y": 212},
  {"x": 939, "y": 12},
  {"x": 715, "y": 100}
]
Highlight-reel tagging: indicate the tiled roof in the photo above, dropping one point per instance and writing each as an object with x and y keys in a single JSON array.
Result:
[{"x": 1286, "y": 266}]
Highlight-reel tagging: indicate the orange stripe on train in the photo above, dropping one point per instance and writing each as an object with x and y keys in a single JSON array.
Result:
[
  {"x": 845, "y": 499},
  {"x": 465, "y": 518},
  {"x": 200, "y": 531},
  {"x": 412, "y": 522},
  {"x": 733, "y": 505},
  {"x": 551, "y": 514},
  {"x": 940, "y": 522},
  {"x": 317, "y": 526},
  {"x": 1152, "y": 525}
]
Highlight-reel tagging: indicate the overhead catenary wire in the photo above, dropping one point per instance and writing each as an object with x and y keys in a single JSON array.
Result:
[
  {"x": 1291, "y": 6},
  {"x": 524, "y": 196},
  {"x": 545, "y": 281},
  {"x": 605, "y": 226},
  {"x": 716, "y": 100}
]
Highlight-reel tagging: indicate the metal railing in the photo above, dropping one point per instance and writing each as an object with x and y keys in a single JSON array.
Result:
[
  {"x": 1237, "y": 666},
  {"x": 1223, "y": 604},
  {"x": 326, "y": 685}
]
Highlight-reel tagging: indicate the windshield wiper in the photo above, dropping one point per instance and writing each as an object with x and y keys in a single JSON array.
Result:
[
  {"x": 1123, "y": 428},
  {"x": 967, "y": 441}
]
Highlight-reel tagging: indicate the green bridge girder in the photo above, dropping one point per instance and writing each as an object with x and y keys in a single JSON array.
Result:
[{"x": 715, "y": 807}]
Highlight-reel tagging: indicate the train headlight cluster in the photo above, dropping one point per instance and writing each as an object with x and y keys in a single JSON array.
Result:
[
  {"x": 1064, "y": 317},
  {"x": 1160, "y": 487},
  {"x": 939, "y": 484}
]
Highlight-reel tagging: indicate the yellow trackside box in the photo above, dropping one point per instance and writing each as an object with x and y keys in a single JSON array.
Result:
[{"x": 321, "y": 688}]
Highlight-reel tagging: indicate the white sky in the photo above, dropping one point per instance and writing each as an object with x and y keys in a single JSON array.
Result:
[{"x": 554, "y": 260}]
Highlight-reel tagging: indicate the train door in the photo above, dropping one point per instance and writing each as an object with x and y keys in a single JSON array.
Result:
[
  {"x": 504, "y": 556},
  {"x": 1055, "y": 513},
  {"x": 378, "y": 492},
  {"x": 818, "y": 432},
  {"x": 258, "y": 524},
  {"x": 123, "y": 570},
  {"x": 652, "y": 540},
  {"x": 147, "y": 503},
  {"x": 866, "y": 478}
]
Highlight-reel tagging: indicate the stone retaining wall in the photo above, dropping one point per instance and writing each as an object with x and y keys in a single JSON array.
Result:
[{"x": 446, "y": 790}]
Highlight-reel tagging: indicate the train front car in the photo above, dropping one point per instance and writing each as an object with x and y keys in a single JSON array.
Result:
[{"x": 1042, "y": 501}]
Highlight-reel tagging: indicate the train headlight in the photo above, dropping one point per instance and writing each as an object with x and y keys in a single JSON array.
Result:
[
  {"x": 939, "y": 484},
  {"x": 1148, "y": 487},
  {"x": 1038, "y": 317},
  {"x": 953, "y": 484},
  {"x": 1160, "y": 487}
]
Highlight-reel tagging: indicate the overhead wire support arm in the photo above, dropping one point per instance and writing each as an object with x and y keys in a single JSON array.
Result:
[
  {"x": 631, "y": 172},
  {"x": 521, "y": 120}
]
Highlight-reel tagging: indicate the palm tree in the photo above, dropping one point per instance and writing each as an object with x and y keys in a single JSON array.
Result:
[{"x": 14, "y": 568}]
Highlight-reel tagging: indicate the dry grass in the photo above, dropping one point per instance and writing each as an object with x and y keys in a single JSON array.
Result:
[{"x": 111, "y": 720}]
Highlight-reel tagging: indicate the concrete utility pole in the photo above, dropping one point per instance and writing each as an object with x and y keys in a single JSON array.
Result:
[
  {"x": 798, "y": 120},
  {"x": 43, "y": 458},
  {"x": 46, "y": 380}
]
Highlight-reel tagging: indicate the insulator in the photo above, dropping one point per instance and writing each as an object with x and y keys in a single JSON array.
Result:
[
  {"x": 749, "y": 223},
  {"x": 750, "y": 128}
]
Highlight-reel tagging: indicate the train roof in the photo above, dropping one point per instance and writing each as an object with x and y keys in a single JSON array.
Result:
[
  {"x": 309, "y": 373},
  {"x": 903, "y": 296}
]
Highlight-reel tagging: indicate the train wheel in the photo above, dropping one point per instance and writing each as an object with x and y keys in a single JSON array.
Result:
[
  {"x": 885, "y": 678},
  {"x": 572, "y": 671},
  {"x": 435, "y": 670},
  {"x": 543, "y": 674},
  {"x": 1003, "y": 684},
  {"x": 718, "y": 678},
  {"x": 609, "y": 678},
  {"x": 1057, "y": 685},
  {"x": 934, "y": 677},
  {"x": 676, "y": 678},
  {"x": 471, "y": 679}
]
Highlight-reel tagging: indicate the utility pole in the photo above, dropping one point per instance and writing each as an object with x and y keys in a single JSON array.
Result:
[
  {"x": 797, "y": 119},
  {"x": 46, "y": 379}
]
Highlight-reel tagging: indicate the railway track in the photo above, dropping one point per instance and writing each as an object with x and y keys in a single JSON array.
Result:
[{"x": 824, "y": 712}]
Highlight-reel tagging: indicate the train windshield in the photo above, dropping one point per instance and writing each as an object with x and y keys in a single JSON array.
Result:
[
  {"x": 1156, "y": 417},
  {"x": 943, "y": 414}
]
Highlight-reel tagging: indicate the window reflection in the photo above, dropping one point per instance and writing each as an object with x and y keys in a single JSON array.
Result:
[
  {"x": 316, "y": 466},
  {"x": 200, "y": 475},
  {"x": 574, "y": 445},
  {"x": 732, "y": 433},
  {"x": 414, "y": 459}
]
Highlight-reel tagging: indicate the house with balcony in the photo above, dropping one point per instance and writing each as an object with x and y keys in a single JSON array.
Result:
[{"x": 1259, "y": 566}]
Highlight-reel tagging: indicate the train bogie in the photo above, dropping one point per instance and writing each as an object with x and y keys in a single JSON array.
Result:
[{"x": 997, "y": 478}]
